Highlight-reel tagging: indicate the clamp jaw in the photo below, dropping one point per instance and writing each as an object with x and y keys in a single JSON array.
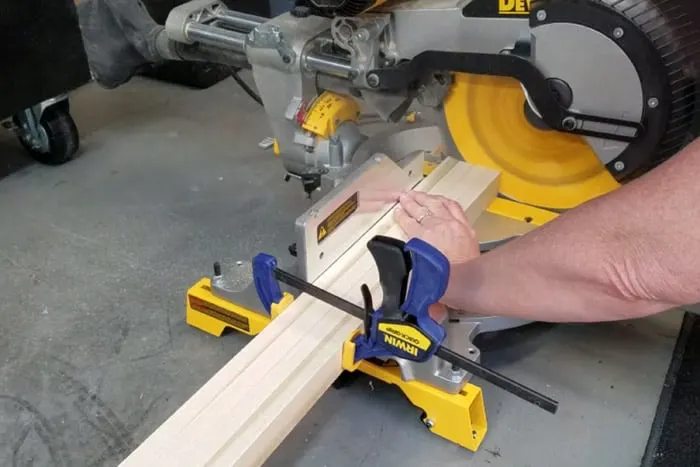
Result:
[{"x": 273, "y": 299}]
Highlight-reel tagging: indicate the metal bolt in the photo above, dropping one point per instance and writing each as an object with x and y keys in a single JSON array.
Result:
[
  {"x": 286, "y": 59},
  {"x": 619, "y": 166},
  {"x": 618, "y": 33},
  {"x": 569, "y": 123},
  {"x": 541, "y": 15},
  {"x": 362, "y": 34},
  {"x": 313, "y": 213},
  {"x": 455, "y": 373},
  {"x": 429, "y": 423},
  {"x": 653, "y": 102},
  {"x": 373, "y": 80}
]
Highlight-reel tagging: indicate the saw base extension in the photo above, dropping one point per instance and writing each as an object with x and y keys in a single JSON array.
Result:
[{"x": 452, "y": 407}]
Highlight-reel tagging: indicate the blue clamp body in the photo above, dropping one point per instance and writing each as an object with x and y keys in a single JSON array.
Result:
[
  {"x": 402, "y": 326},
  {"x": 266, "y": 285}
]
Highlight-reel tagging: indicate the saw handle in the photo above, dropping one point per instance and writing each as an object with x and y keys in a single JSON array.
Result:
[{"x": 266, "y": 284}]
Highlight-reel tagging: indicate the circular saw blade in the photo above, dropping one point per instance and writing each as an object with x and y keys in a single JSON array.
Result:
[{"x": 486, "y": 119}]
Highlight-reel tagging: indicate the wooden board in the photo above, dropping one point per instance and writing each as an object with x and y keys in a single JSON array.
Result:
[{"x": 241, "y": 415}]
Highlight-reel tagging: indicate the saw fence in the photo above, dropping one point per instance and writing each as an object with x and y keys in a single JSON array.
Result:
[{"x": 242, "y": 414}]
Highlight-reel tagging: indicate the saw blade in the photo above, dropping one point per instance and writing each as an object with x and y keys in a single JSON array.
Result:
[{"x": 486, "y": 118}]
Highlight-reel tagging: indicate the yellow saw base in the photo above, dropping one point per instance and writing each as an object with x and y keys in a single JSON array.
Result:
[
  {"x": 215, "y": 315},
  {"x": 486, "y": 118}
]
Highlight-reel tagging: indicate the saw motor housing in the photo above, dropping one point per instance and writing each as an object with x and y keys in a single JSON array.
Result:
[{"x": 593, "y": 76}]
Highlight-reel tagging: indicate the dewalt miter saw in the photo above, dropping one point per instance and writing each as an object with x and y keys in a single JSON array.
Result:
[{"x": 567, "y": 99}]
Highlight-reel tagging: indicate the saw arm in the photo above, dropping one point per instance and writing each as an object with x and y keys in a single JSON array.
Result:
[{"x": 586, "y": 78}]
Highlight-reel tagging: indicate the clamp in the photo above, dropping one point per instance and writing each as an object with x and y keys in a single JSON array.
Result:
[{"x": 413, "y": 276}]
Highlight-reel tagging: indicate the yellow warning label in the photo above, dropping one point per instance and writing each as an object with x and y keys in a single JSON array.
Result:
[
  {"x": 337, "y": 217},
  {"x": 513, "y": 7},
  {"x": 227, "y": 316}
]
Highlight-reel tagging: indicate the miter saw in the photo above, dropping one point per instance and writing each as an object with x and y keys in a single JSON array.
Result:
[{"x": 567, "y": 99}]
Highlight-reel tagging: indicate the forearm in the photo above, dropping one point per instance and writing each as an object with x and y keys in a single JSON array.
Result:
[{"x": 632, "y": 253}]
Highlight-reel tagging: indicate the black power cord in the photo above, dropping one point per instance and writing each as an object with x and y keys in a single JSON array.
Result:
[{"x": 248, "y": 90}]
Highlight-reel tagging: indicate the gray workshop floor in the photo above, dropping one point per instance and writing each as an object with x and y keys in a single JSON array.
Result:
[{"x": 96, "y": 257}]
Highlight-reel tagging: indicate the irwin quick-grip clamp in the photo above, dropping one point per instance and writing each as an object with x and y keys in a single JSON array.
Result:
[{"x": 413, "y": 276}]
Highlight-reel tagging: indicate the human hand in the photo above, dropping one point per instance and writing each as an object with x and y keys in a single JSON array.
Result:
[
  {"x": 439, "y": 221},
  {"x": 442, "y": 223}
]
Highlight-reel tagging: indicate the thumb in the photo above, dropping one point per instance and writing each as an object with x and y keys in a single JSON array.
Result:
[{"x": 438, "y": 312}]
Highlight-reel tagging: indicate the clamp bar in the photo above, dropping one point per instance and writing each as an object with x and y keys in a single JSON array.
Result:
[
  {"x": 503, "y": 382},
  {"x": 320, "y": 294}
]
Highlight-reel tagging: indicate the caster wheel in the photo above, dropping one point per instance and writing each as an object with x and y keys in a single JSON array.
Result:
[{"x": 60, "y": 137}]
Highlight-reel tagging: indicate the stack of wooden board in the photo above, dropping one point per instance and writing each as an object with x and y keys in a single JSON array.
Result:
[{"x": 241, "y": 415}]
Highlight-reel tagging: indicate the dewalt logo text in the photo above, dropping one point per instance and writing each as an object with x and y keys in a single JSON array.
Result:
[
  {"x": 513, "y": 7},
  {"x": 401, "y": 345}
]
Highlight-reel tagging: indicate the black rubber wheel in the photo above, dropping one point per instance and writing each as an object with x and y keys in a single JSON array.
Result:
[{"x": 62, "y": 134}]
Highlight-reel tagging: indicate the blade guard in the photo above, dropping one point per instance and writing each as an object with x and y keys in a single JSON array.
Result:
[{"x": 403, "y": 327}]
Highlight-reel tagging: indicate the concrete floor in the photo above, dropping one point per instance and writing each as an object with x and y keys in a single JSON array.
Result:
[{"x": 96, "y": 258}]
